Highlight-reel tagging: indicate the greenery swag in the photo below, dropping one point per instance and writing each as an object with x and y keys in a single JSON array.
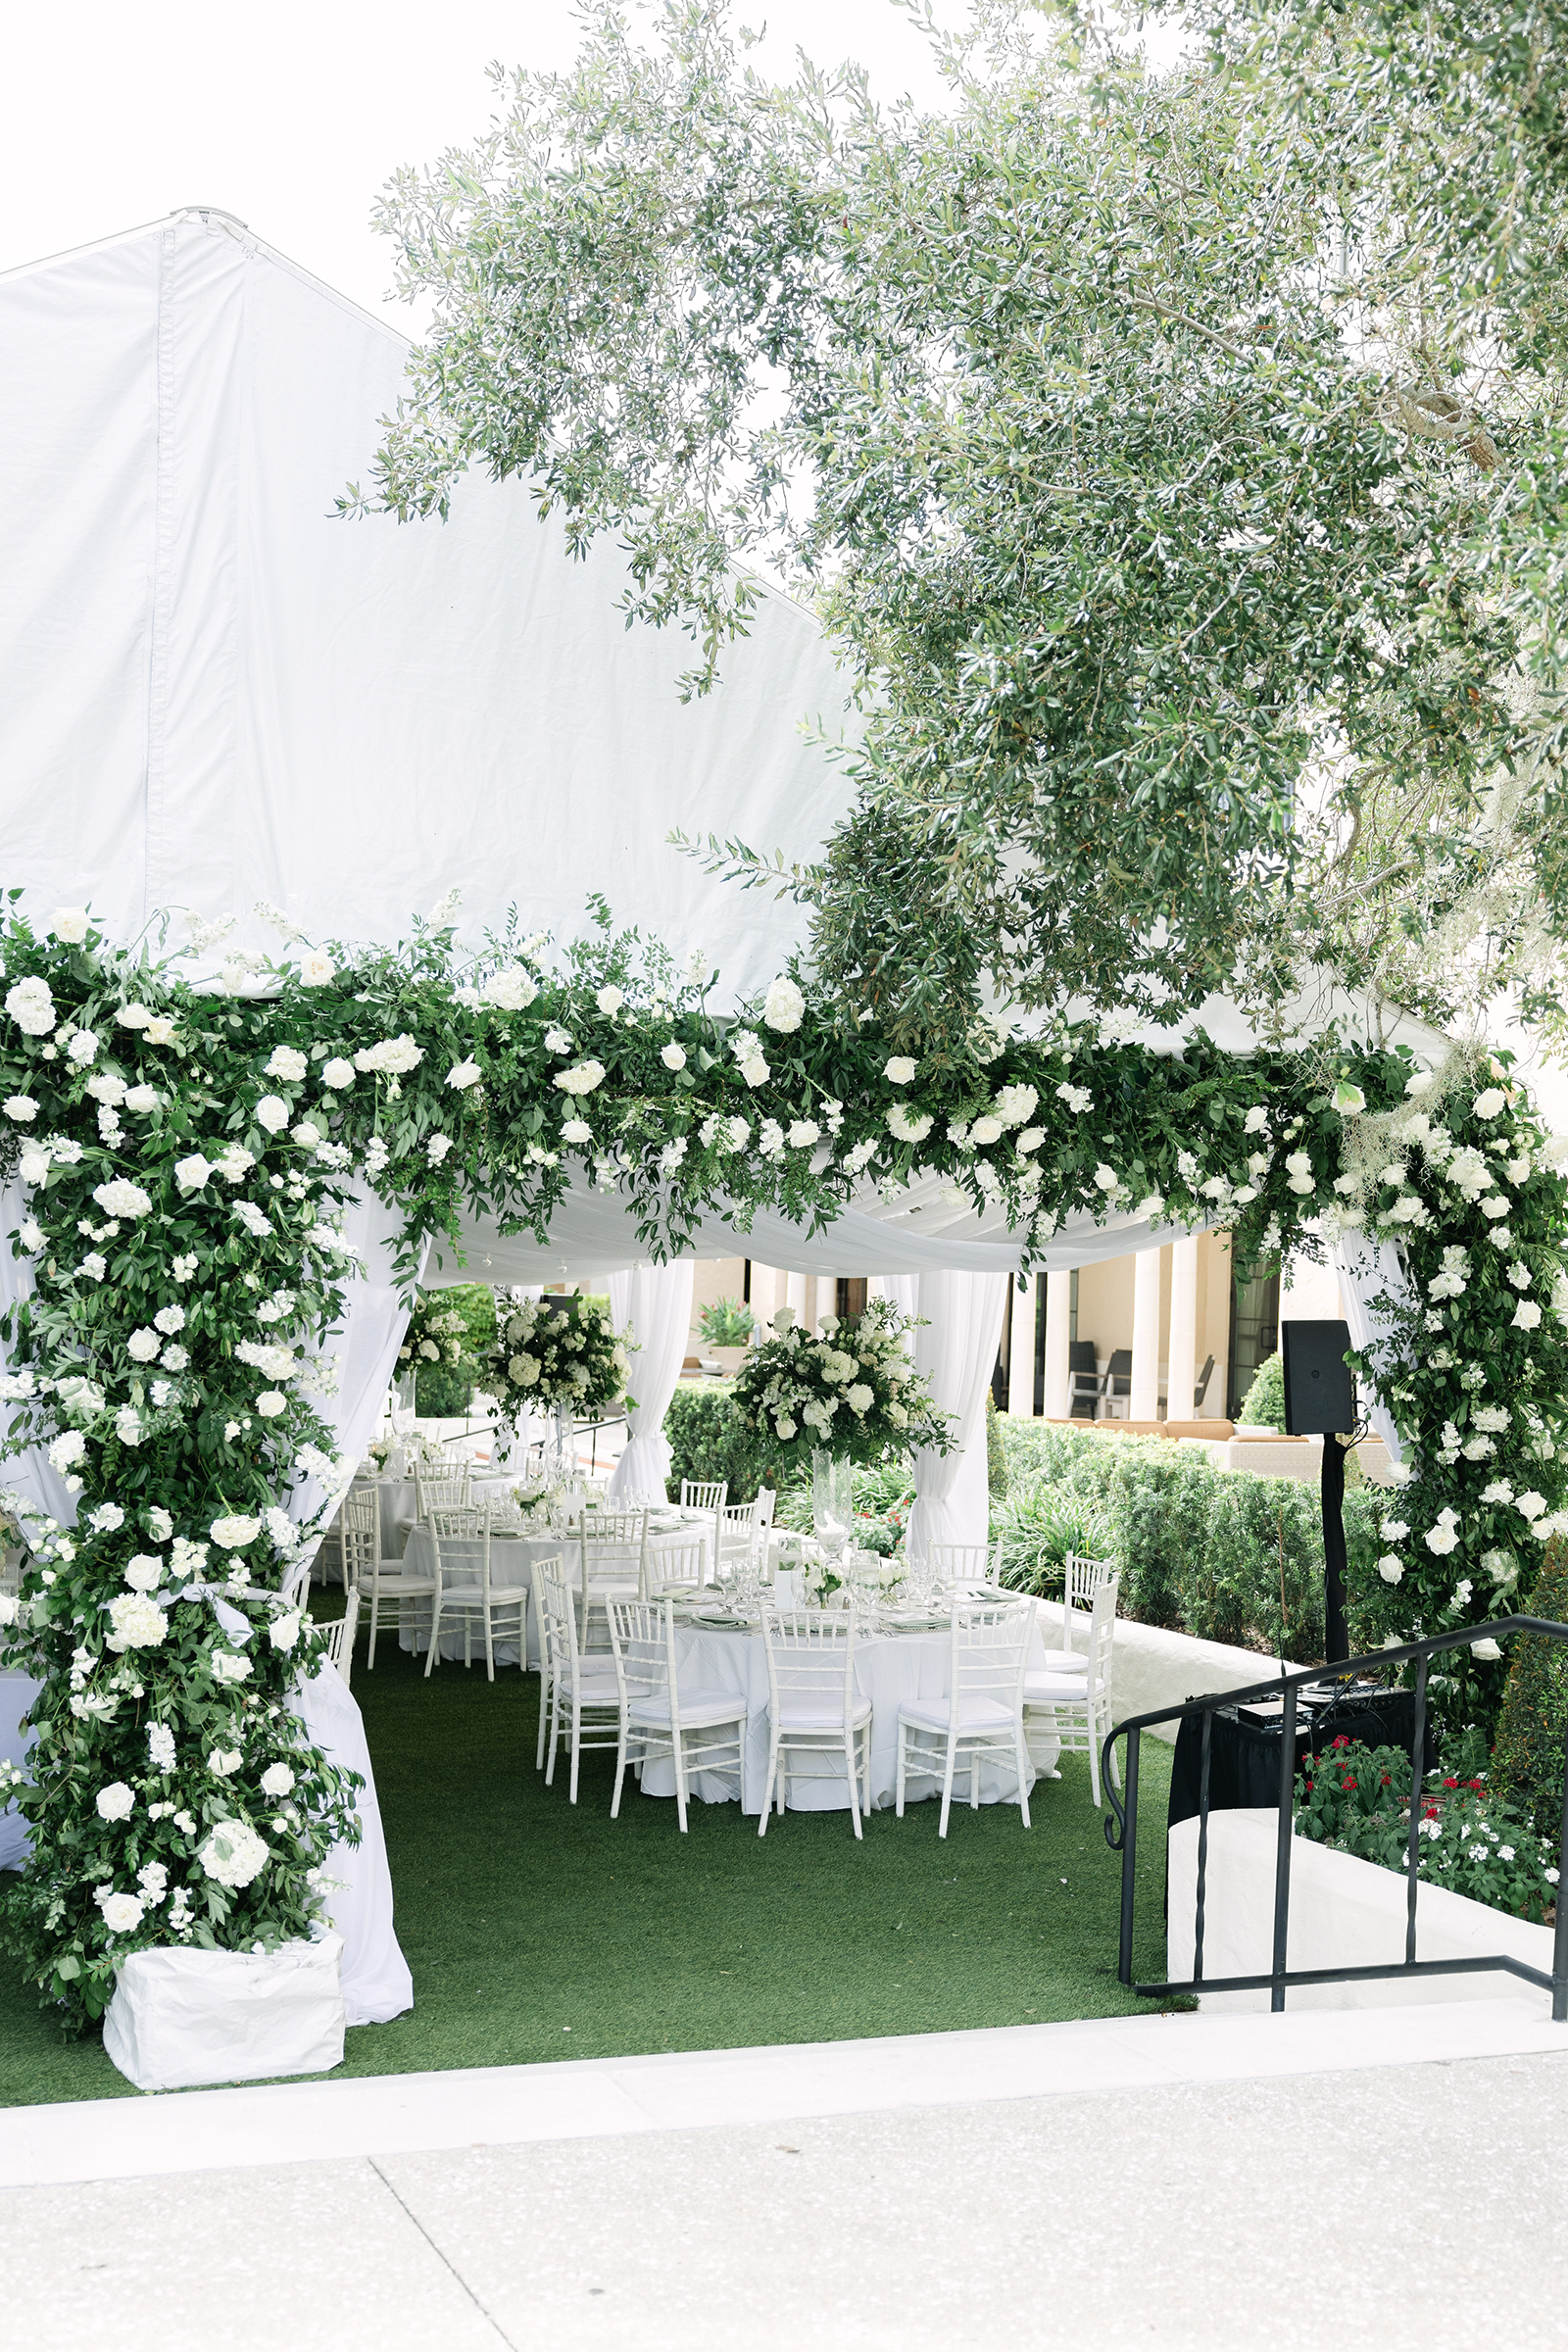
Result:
[{"x": 185, "y": 1153}]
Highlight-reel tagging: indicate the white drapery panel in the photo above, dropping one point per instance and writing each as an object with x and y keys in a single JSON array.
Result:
[
  {"x": 376, "y": 1977},
  {"x": 655, "y": 1303},
  {"x": 1368, "y": 1271},
  {"x": 957, "y": 1348},
  {"x": 29, "y": 1475},
  {"x": 364, "y": 1343}
]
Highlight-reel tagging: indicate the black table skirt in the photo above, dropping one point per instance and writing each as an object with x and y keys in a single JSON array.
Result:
[{"x": 1244, "y": 1758}]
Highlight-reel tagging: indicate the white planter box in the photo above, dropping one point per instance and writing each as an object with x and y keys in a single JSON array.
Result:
[
  {"x": 182, "y": 2015},
  {"x": 1345, "y": 1913},
  {"x": 1153, "y": 1667}
]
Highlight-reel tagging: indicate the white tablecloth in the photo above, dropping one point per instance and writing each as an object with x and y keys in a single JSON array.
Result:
[{"x": 889, "y": 1669}]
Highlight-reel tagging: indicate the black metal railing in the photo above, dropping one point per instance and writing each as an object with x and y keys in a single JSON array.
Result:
[{"x": 1121, "y": 1829}]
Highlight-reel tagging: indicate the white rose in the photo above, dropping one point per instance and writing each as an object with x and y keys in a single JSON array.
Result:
[
  {"x": 83, "y": 1046},
  {"x": 144, "y": 1571},
  {"x": 1525, "y": 1315},
  {"x": 803, "y": 1134},
  {"x": 284, "y": 1631},
  {"x": 576, "y": 1131},
  {"x": 784, "y": 1007},
  {"x": 898, "y": 1069},
  {"x": 674, "y": 1056},
  {"x": 272, "y": 1114},
  {"x": 133, "y": 1016},
  {"x": 116, "y": 1802},
  {"x": 1105, "y": 1178},
  {"x": 581, "y": 1079},
  {"x": 276, "y": 1780},
  {"x": 143, "y": 1099},
  {"x": 234, "y": 1531},
  {"x": 192, "y": 1172},
  {"x": 986, "y": 1129},
  {"x": 270, "y": 1402},
  {"x": 21, "y": 1107},
  {"x": 1491, "y": 1102},
  {"x": 316, "y": 969},
  {"x": 287, "y": 1063},
  {"x": 122, "y": 1913},
  {"x": 338, "y": 1074},
  {"x": 228, "y": 1668},
  {"x": 35, "y": 1163},
  {"x": 464, "y": 1074},
  {"x": 69, "y": 925},
  {"x": 1390, "y": 1567},
  {"x": 143, "y": 1346}
]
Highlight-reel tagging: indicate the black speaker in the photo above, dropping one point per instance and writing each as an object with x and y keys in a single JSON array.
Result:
[{"x": 1319, "y": 1386}]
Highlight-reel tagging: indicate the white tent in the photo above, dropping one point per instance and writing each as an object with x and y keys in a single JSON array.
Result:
[{"x": 217, "y": 692}]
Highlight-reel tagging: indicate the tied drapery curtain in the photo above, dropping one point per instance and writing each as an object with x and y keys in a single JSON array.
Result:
[
  {"x": 655, "y": 1304},
  {"x": 1368, "y": 1271},
  {"x": 955, "y": 1346},
  {"x": 363, "y": 1344}
]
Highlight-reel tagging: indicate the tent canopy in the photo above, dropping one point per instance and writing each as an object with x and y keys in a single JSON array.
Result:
[{"x": 217, "y": 692}]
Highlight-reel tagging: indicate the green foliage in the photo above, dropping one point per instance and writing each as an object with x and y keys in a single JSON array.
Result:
[
  {"x": 883, "y": 1494},
  {"x": 726, "y": 1323},
  {"x": 996, "y": 1453},
  {"x": 1137, "y": 437},
  {"x": 1264, "y": 1402},
  {"x": 708, "y": 1440},
  {"x": 1038, "y": 1527},
  {"x": 1472, "y": 1841},
  {"x": 1531, "y": 1757},
  {"x": 443, "y": 1390}
]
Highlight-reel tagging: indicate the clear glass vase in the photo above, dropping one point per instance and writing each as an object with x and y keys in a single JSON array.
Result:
[
  {"x": 832, "y": 1505},
  {"x": 560, "y": 1450}
]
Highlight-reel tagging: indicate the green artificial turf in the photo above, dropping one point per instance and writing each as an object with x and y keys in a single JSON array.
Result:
[{"x": 537, "y": 1930}]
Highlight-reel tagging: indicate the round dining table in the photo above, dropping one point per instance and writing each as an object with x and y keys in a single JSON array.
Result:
[
  {"x": 890, "y": 1668},
  {"x": 513, "y": 1561}
]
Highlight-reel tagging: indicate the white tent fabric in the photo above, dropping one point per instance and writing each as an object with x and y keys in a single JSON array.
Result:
[
  {"x": 30, "y": 1475},
  {"x": 363, "y": 1345},
  {"x": 655, "y": 1303},
  {"x": 220, "y": 691},
  {"x": 955, "y": 1347},
  {"x": 1368, "y": 1271},
  {"x": 376, "y": 1981}
]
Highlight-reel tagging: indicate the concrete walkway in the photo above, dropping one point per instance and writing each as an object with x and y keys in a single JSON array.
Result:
[{"x": 1170, "y": 2183}]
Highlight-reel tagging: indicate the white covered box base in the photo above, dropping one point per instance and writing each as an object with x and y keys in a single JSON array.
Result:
[
  {"x": 180, "y": 2016},
  {"x": 1345, "y": 1913}
]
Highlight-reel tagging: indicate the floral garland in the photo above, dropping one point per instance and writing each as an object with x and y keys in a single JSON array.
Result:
[
  {"x": 187, "y": 1149},
  {"x": 557, "y": 1350},
  {"x": 852, "y": 1391}
]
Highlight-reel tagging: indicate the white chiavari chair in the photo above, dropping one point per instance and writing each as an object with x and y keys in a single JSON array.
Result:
[
  {"x": 981, "y": 1718},
  {"x": 703, "y": 1493},
  {"x": 585, "y": 1703},
  {"x": 737, "y": 1533},
  {"x": 1073, "y": 1708},
  {"x": 965, "y": 1571},
  {"x": 435, "y": 1490},
  {"x": 340, "y": 1637},
  {"x": 813, "y": 1708},
  {"x": 358, "y": 1536},
  {"x": 613, "y": 1561},
  {"x": 466, "y": 1587},
  {"x": 547, "y": 1656},
  {"x": 702, "y": 1729},
  {"x": 676, "y": 1571}
]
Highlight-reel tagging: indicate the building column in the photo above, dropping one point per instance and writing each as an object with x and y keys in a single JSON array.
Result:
[
  {"x": 1021, "y": 1353},
  {"x": 795, "y": 1296},
  {"x": 1058, "y": 1331},
  {"x": 1182, "y": 1376},
  {"x": 1143, "y": 1402}
]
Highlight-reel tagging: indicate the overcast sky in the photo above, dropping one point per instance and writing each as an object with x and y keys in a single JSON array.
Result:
[{"x": 294, "y": 116}]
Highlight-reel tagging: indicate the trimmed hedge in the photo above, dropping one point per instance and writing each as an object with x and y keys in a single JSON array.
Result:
[
  {"x": 708, "y": 1440},
  {"x": 1528, "y": 1762}
]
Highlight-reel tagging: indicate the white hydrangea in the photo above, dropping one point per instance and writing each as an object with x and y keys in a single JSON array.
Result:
[
  {"x": 31, "y": 1007},
  {"x": 288, "y": 1063},
  {"x": 581, "y": 1078},
  {"x": 1015, "y": 1106},
  {"x": 510, "y": 989},
  {"x": 784, "y": 1007},
  {"x": 122, "y": 1198},
  {"x": 910, "y": 1126},
  {"x": 233, "y": 1853},
  {"x": 391, "y": 1055}
]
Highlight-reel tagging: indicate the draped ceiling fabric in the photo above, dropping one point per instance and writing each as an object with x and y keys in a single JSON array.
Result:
[{"x": 218, "y": 691}]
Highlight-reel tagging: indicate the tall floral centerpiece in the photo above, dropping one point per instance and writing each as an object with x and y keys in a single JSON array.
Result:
[
  {"x": 850, "y": 1395},
  {"x": 560, "y": 1351}
]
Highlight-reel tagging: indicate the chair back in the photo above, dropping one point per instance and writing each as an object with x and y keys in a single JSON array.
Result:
[
  {"x": 612, "y": 1546},
  {"x": 359, "y": 1531},
  {"x": 642, "y": 1635},
  {"x": 441, "y": 1493},
  {"x": 1102, "y": 1641},
  {"x": 459, "y": 1546},
  {"x": 1083, "y": 1576},
  {"x": 766, "y": 1502},
  {"x": 1119, "y": 1373},
  {"x": 964, "y": 1567},
  {"x": 683, "y": 1564},
  {"x": 811, "y": 1660},
  {"x": 991, "y": 1642},
  {"x": 340, "y": 1636},
  {"x": 703, "y": 1493},
  {"x": 558, "y": 1620},
  {"x": 738, "y": 1528}
]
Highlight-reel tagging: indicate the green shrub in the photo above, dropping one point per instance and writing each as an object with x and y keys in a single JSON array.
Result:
[
  {"x": 444, "y": 1392},
  {"x": 1259, "y": 1584},
  {"x": 1357, "y": 1799},
  {"x": 708, "y": 1440},
  {"x": 1264, "y": 1405},
  {"x": 996, "y": 1453},
  {"x": 1527, "y": 1764},
  {"x": 1162, "y": 1502},
  {"x": 726, "y": 1323},
  {"x": 1038, "y": 1526}
]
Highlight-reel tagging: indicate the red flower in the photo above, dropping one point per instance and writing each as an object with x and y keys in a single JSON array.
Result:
[
  {"x": 1347, "y": 1783},
  {"x": 1450, "y": 1784}
]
